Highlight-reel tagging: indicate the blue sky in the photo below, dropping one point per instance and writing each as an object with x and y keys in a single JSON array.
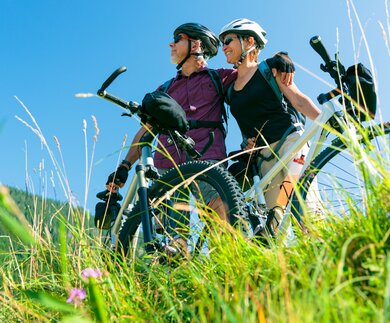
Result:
[{"x": 52, "y": 50}]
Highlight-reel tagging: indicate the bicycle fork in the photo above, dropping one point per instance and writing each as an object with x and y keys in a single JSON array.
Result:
[{"x": 259, "y": 218}]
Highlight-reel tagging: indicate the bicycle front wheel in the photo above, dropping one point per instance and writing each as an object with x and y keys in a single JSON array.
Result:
[
  {"x": 184, "y": 202},
  {"x": 338, "y": 182}
]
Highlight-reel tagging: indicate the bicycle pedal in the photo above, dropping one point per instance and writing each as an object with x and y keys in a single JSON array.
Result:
[
  {"x": 259, "y": 230},
  {"x": 159, "y": 228}
]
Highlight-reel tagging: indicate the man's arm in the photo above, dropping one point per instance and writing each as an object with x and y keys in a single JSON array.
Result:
[{"x": 133, "y": 154}]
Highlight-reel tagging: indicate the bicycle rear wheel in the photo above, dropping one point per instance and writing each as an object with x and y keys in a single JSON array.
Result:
[
  {"x": 185, "y": 202},
  {"x": 339, "y": 179}
]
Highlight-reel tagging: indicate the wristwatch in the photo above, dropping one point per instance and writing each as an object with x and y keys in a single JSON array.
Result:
[{"x": 126, "y": 163}]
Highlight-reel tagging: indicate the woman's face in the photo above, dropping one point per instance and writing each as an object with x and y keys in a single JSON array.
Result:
[{"x": 232, "y": 48}]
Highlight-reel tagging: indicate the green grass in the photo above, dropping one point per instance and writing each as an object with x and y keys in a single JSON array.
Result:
[{"x": 340, "y": 272}]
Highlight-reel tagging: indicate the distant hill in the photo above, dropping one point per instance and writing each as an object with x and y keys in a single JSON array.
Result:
[
  {"x": 44, "y": 212},
  {"x": 31, "y": 204}
]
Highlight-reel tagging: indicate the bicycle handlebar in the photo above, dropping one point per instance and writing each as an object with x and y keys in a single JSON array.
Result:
[
  {"x": 335, "y": 69},
  {"x": 133, "y": 107},
  {"x": 319, "y": 47},
  {"x": 112, "y": 77}
]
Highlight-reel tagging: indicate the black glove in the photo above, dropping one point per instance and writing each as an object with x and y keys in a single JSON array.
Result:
[
  {"x": 282, "y": 62},
  {"x": 120, "y": 175}
]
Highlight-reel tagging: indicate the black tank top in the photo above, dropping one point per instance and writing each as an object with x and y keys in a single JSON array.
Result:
[{"x": 258, "y": 110}]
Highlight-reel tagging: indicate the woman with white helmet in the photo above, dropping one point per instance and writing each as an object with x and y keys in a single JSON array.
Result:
[{"x": 263, "y": 118}]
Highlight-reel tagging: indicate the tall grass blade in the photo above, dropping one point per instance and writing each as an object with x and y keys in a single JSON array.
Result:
[
  {"x": 9, "y": 222},
  {"x": 97, "y": 301}
]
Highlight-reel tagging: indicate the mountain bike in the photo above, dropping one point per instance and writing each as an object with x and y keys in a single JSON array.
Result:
[
  {"x": 333, "y": 179},
  {"x": 163, "y": 206}
]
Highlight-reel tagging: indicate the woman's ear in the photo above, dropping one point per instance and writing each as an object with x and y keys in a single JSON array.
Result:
[{"x": 250, "y": 41}]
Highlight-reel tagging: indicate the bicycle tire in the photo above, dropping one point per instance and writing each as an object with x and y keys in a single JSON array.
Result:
[
  {"x": 333, "y": 183},
  {"x": 219, "y": 179}
]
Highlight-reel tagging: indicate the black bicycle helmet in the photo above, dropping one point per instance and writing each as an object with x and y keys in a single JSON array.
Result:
[{"x": 210, "y": 41}]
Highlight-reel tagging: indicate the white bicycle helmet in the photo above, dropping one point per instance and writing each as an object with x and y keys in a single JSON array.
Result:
[{"x": 245, "y": 27}]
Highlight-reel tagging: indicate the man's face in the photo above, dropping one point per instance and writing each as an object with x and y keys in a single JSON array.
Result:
[{"x": 179, "y": 48}]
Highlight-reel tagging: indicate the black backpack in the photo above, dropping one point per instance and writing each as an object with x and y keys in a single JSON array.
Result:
[{"x": 362, "y": 90}]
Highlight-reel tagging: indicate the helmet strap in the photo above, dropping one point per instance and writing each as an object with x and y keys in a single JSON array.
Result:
[
  {"x": 244, "y": 52},
  {"x": 189, "y": 54},
  {"x": 179, "y": 66}
]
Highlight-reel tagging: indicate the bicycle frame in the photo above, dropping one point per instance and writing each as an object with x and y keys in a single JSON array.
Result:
[
  {"x": 145, "y": 169},
  {"x": 316, "y": 133},
  {"x": 138, "y": 190}
]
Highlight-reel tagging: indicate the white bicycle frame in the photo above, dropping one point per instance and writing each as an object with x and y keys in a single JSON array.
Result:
[
  {"x": 316, "y": 135},
  {"x": 131, "y": 195}
]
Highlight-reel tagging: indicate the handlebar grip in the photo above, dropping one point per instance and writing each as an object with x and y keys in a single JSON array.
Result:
[
  {"x": 325, "y": 97},
  {"x": 112, "y": 77},
  {"x": 317, "y": 45}
]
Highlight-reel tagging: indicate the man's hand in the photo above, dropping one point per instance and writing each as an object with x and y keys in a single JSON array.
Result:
[
  {"x": 282, "y": 63},
  {"x": 117, "y": 178}
]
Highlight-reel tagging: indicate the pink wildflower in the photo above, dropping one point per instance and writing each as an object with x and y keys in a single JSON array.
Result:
[
  {"x": 90, "y": 272},
  {"x": 76, "y": 296}
]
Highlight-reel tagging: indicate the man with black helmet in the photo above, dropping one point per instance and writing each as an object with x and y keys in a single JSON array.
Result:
[{"x": 193, "y": 44}]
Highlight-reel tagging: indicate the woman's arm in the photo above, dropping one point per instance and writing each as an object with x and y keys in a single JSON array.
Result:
[{"x": 300, "y": 101}]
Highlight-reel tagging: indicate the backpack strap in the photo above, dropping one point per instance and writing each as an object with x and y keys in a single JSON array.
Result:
[
  {"x": 214, "y": 75},
  {"x": 164, "y": 88},
  {"x": 267, "y": 74},
  {"x": 229, "y": 93},
  {"x": 195, "y": 124}
]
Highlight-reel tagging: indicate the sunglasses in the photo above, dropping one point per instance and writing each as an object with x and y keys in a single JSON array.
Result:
[
  {"x": 179, "y": 37},
  {"x": 228, "y": 40}
]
